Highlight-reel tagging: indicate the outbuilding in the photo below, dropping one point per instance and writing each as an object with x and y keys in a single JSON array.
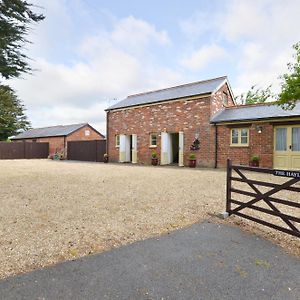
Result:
[{"x": 58, "y": 136}]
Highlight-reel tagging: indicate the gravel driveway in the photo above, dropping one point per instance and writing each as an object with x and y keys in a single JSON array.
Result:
[{"x": 55, "y": 211}]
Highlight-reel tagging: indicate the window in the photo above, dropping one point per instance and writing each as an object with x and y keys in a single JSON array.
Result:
[
  {"x": 239, "y": 137},
  {"x": 225, "y": 99},
  {"x": 117, "y": 140},
  {"x": 153, "y": 140},
  {"x": 86, "y": 132}
]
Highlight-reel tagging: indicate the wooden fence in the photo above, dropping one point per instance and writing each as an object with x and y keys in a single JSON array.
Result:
[
  {"x": 268, "y": 198},
  {"x": 86, "y": 150},
  {"x": 22, "y": 150}
]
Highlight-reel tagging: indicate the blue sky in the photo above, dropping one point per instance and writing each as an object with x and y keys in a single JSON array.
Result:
[{"x": 88, "y": 53}]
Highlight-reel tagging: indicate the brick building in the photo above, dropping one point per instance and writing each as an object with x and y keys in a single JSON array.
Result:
[
  {"x": 201, "y": 118},
  {"x": 58, "y": 136},
  {"x": 269, "y": 132}
]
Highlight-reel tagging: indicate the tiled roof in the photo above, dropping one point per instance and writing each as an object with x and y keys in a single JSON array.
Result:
[
  {"x": 255, "y": 112},
  {"x": 60, "y": 130},
  {"x": 185, "y": 90}
]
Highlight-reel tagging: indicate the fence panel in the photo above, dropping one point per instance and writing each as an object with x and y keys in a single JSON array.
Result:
[
  {"x": 11, "y": 150},
  {"x": 265, "y": 197},
  {"x": 21, "y": 150},
  {"x": 86, "y": 150},
  {"x": 36, "y": 150},
  {"x": 101, "y": 150}
]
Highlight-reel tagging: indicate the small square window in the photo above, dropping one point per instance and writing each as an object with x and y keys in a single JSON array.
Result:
[
  {"x": 86, "y": 132},
  {"x": 153, "y": 140},
  {"x": 240, "y": 137},
  {"x": 117, "y": 140}
]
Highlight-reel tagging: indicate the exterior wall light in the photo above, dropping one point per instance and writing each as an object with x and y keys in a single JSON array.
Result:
[{"x": 259, "y": 129}]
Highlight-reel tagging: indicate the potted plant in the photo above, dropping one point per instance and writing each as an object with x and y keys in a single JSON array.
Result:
[
  {"x": 105, "y": 158},
  {"x": 192, "y": 160},
  {"x": 154, "y": 159},
  {"x": 254, "y": 161},
  {"x": 56, "y": 156}
]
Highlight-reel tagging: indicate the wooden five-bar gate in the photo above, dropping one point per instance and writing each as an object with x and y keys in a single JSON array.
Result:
[{"x": 243, "y": 208}]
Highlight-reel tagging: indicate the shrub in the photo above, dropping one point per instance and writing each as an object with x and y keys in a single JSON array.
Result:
[
  {"x": 192, "y": 156},
  {"x": 255, "y": 158},
  {"x": 154, "y": 154}
]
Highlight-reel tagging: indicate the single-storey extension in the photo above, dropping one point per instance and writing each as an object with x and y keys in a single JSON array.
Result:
[
  {"x": 202, "y": 118},
  {"x": 264, "y": 130},
  {"x": 58, "y": 136}
]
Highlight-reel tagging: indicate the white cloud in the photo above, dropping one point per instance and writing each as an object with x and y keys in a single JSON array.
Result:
[
  {"x": 137, "y": 33},
  {"x": 258, "y": 36},
  {"x": 202, "y": 57},
  {"x": 108, "y": 65},
  {"x": 264, "y": 33}
]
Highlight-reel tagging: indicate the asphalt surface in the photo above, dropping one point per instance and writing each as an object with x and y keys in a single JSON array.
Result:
[{"x": 205, "y": 261}]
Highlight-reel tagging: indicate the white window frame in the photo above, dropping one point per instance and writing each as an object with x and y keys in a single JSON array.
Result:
[
  {"x": 239, "y": 143},
  {"x": 151, "y": 140},
  {"x": 117, "y": 140},
  {"x": 87, "y": 132}
]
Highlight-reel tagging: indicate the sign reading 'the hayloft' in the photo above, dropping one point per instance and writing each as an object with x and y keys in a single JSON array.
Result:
[{"x": 293, "y": 174}]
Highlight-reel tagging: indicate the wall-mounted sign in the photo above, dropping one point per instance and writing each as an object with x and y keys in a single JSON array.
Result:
[{"x": 284, "y": 173}]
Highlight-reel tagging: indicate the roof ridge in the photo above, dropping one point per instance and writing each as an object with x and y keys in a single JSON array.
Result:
[
  {"x": 176, "y": 86},
  {"x": 57, "y": 126},
  {"x": 251, "y": 105}
]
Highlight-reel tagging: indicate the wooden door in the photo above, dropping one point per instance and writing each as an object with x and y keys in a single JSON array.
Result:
[{"x": 287, "y": 147}]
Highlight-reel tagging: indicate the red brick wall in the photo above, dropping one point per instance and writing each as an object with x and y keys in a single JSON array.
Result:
[
  {"x": 79, "y": 135},
  {"x": 189, "y": 116},
  {"x": 260, "y": 144},
  {"x": 217, "y": 100}
]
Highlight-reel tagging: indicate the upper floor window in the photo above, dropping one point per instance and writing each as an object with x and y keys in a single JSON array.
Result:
[
  {"x": 225, "y": 98},
  {"x": 153, "y": 140},
  {"x": 117, "y": 140},
  {"x": 86, "y": 132},
  {"x": 239, "y": 137}
]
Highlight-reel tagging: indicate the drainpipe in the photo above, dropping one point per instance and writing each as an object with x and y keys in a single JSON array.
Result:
[
  {"x": 216, "y": 146},
  {"x": 65, "y": 148},
  {"x": 107, "y": 115}
]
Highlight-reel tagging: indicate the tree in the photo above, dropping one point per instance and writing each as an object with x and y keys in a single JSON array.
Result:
[
  {"x": 16, "y": 17},
  {"x": 255, "y": 95},
  {"x": 290, "y": 87},
  {"x": 12, "y": 117}
]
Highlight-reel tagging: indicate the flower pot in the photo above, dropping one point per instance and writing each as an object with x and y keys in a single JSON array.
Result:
[
  {"x": 254, "y": 163},
  {"x": 154, "y": 161},
  {"x": 105, "y": 159},
  {"x": 192, "y": 163}
]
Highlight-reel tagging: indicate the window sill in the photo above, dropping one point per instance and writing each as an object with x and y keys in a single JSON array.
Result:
[
  {"x": 153, "y": 146},
  {"x": 117, "y": 146},
  {"x": 239, "y": 146}
]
